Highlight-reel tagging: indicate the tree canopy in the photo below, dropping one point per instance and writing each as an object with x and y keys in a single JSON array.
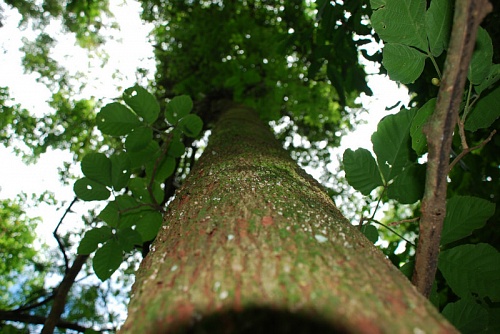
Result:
[{"x": 301, "y": 66}]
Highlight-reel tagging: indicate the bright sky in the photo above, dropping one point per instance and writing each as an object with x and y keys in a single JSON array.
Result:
[{"x": 128, "y": 50}]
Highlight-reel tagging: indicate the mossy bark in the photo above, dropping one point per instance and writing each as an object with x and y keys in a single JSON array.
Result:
[{"x": 251, "y": 244}]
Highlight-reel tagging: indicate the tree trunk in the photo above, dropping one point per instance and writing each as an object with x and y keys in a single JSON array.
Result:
[{"x": 251, "y": 244}]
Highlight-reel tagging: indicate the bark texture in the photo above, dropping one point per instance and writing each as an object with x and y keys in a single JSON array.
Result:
[{"x": 251, "y": 244}]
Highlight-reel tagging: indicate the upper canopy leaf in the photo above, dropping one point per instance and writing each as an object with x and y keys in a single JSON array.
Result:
[
  {"x": 143, "y": 103},
  {"x": 115, "y": 119}
]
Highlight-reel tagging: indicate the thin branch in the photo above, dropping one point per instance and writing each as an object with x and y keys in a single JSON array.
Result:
[
  {"x": 439, "y": 133},
  {"x": 411, "y": 220},
  {"x": 393, "y": 231},
  {"x": 468, "y": 150},
  {"x": 59, "y": 241},
  {"x": 37, "y": 320}
]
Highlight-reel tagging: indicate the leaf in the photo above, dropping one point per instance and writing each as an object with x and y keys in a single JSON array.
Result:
[
  {"x": 107, "y": 259},
  {"x": 88, "y": 190},
  {"x": 361, "y": 170},
  {"x": 370, "y": 232},
  {"x": 149, "y": 153},
  {"x": 191, "y": 125},
  {"x": 138, "y": 139},
  {"x": 163, "y": 170},
  {"x": 128, "y": 239},
  {"x": 408, "y": 187},
  {"x": 491, "y": 79},
  {"x": 138, "y": 186},
  {"x": 142, "y": 102},
  {"x": 115, "y": 119},
  {"x": 397, "y": 21},
  {"x": 391, "y": 143},
  {"x": 97, "y": 167},
  {"x": 467, "y": 316},
  {"x": 482, "y": 58},
  {"x": 176, "y": 149},
  {"x": 464, "y": 214},
  {"x": 403, "y": 63},
  {"x": 93, "y": 238},
  {"x": 472, "y": 269},
  {"x": 120, "y": 170},
  {"x": 418, "y": 139},
  {"x": 110, "y": 214},
  {"x": 485, "y": 112},
  {"x": 149, "y": 224},
  {"x": 177, "y": 108},
  {"x": 438, "y": 20},
  {"x": 251, "y": 77}
]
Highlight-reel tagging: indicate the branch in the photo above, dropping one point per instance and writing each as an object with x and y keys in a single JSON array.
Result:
[
  {"x": 470, "y": 149},
  {"x": 439, "y": 132},
  {"x": 37, "y": 320},
  {"x": 61, "y": 294},
  {"x": 59, "y": 242}
]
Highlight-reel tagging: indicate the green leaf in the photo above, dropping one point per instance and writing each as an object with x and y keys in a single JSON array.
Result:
[
  {"x": 120, "y": 170},
  {"x": 97, "y": 167},
  {"x": 115, "y": 119},
  {"x": 251, "y": 77},
  {"x": 149, "y": 224},
  {"x": 481, "y": 60},
  {"x": 107, "y": 259},
  {"x": 408, "y": 187},
  {"x": 418, "y": 140},
  {"x": 128, "y": 239},
  {"x": 407, "y": 269},
  {"x": 110, "y": 214},
  {"x": 161, "y": 171},
  {"x": 397, "y": 21},
  {"x": 176, "y": 149},
  {"x": 491, "y": 79},
  {"x": 403, "y": 63},
  {"x": 191, "y": 125},
  {"x": 177, "y": 108},
  {"x": 464, "y": 214},
  {"x": 391, "y": 143},
  {"x": 88, "y": 190},
  {"x": 467, "y": 316},
  {"x": 485, "y": 112},
  {"x": 139, "y": 139},
  {"x": 93, "y": 238},
  {"x": 143, "y": 103},
  {"x": 472, "y": 269},
  {"x": 361, "y": 170},
  {"x": 438, "y": 20},
  {"x": 149, "y": 153},
  {"x": 370, "y": 232},
  {"x": 139, "y": 189}
]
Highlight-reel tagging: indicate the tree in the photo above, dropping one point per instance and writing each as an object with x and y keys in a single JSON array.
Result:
[{"x": 249, "y": 240}]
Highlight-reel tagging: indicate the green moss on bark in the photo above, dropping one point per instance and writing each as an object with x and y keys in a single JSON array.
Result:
[{"x": 249, "y": 230}]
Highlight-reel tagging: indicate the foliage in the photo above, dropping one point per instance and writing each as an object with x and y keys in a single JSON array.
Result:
[
  {"x": 17, "y": 254},
  {"x": 467, "y": 264},
  {"x": 134, "y": 216}
]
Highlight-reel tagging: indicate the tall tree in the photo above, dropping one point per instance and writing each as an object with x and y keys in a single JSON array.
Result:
[
  {"x": 253, "y": 244},
  {"x": 248, "y": 241}
]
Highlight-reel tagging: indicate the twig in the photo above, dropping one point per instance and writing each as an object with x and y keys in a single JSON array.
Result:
[
  {"x": 439, "y": 132},
  {"x": 468, "y": 150},
  {"x": 59, "y": 242},
  {"x": 411, "y": 220}
]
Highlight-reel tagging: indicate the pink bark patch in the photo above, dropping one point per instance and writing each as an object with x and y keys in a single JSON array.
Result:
[{"x": 267, "y": 221}]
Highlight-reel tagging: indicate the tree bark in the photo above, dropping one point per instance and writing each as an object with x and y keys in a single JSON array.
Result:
[{"x": 251, "y": 244}]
